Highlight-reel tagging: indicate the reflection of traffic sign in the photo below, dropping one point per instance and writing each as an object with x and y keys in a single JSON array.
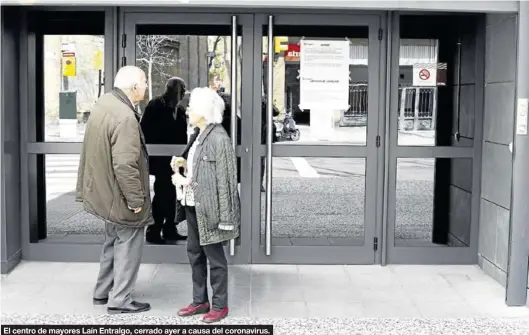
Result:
[
  {"x": 98, "y": 60},
  {"x": 68, "y": 66}
]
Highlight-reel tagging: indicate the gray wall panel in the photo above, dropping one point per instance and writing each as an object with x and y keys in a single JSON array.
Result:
[
  {"x": 462, "y": 174},
  {"x": 499, "y": 113},
  {"x": 500, "y": 70},
  {"x": 460, "y": 204},
  {"x": 468, "y": 58},
  {"x": 501, "y": 42},
  {"x": 467, "y": 111},
  {"x": 496, "y": 181},
  {"x": 494, "y": 234},
  {"x": 10, "y": 137}
]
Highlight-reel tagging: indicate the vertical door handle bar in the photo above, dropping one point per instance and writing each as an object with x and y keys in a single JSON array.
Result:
[
  {"x": 269, "y": 124},
  {"x": 234, "y": 103}
]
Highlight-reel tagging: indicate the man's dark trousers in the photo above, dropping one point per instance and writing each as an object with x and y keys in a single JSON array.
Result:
[{"x": 164, "y": 201}]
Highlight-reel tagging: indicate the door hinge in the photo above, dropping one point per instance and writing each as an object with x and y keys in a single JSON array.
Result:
[
  {"x": 378, "y": 141},
  {"x": 380, "y": 34},
  {"x": 123, "y": 40},
  {"x": 123, "y": 61},
  {"x": 375, "y": 243}
]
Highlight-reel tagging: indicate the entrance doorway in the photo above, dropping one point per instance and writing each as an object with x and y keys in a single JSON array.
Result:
[
  {"x": 374, "y": 174},
  {"x": 320, "y": 181}
]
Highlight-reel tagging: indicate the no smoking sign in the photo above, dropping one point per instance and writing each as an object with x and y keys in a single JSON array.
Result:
[{"x": 424, "y": 75}]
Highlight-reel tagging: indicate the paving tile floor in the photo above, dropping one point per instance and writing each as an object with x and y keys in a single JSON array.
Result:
[{"x": 273, "y": 291}]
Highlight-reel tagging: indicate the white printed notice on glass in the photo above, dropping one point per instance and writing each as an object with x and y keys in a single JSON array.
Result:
[{"x": 324, "y": 74}]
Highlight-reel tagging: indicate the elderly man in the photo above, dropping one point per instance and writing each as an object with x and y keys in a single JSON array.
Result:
[
  {"x": 161, "y": 124},
  {"x": 113, "y": 184}
]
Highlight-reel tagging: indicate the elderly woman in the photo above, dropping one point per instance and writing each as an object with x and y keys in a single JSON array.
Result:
[{"x": 209, "y": 194}]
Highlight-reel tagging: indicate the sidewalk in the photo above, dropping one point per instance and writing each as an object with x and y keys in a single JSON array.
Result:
[{"x": 333, "y": 299}]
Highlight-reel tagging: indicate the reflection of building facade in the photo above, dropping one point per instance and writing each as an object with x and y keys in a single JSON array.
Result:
[{"x": 416, "y": 111}]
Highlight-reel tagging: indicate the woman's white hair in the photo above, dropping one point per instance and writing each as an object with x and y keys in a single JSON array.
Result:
[
  {"x": 128, "y": 76},
  {"x": 207, "y": 103}
]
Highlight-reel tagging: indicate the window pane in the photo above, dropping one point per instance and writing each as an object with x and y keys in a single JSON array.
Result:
[
  {"x": 436, "y": 83},
  {"x": 434, "y": 202},
  {"x": 73, "y": 81},
  {"x": 316, "y": 201},
  {"x": 65, "y": 218},
  {"x": 201, "y": 57},
  {"x": 300, "y": 118}
]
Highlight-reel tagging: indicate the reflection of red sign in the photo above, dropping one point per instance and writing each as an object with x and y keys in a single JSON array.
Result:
[
  {"x": 424, "y": 74},
  {"x": 292, "y": 53}
]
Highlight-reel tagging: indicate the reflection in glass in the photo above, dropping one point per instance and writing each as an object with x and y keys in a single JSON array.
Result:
[
  {"x": 200, "y": 60},
  {"x": 200, "y": 56},
  {"x": 434, "y": 202},
  {"x": 66, "y": 220},
  {"x": 418, "y": 92},
  {"x": 73, "y": 80},
  {"x": 298, "y": 123},
  {"x": 436, "y": 83},
  {"x": 316, "y": 201}
]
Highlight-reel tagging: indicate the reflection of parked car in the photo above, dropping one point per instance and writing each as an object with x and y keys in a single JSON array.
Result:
[{"x": 356, "y": 115}]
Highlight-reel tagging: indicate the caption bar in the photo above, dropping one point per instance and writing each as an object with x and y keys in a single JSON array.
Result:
[{"x": 137, "y": 330}]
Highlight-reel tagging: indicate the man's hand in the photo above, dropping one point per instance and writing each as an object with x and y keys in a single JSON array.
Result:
[
  {"x": 135, "y": 210},
  {"x": 177, "y": 162}
]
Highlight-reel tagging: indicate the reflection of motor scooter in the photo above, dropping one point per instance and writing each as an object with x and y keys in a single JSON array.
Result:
[{"x": 286, "y": 130}]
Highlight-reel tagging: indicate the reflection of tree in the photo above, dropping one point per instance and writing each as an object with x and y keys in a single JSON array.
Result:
[
  {"x": 157, "y": 53},
  {"x": 219, "y": 66}
]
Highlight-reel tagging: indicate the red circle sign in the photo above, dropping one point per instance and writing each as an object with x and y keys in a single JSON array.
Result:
[{"x": 424, "y": 74}]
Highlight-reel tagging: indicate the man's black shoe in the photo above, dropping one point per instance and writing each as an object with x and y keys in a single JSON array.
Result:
[
  {"x": 153, "y": 235},
  {"x": 134, "y": 307},
  {"x": 100, "y": 301}
]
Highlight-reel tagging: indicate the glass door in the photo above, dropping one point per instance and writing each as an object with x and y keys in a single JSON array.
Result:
[
  {"x": 203, "y": 50},
  {"x": 316, "y": 110},
  {"x": 435, "y": 134}
]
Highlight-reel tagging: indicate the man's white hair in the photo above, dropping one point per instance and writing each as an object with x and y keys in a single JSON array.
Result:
[
  {"x": 207, "y": 103},
  {"x": 128, "y": 76}
]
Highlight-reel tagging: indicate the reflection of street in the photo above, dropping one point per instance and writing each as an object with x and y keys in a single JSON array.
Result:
[
  {"x": 328, "y": 206},
  {"x": 317, "y": 199},
  {"x": 357, "y": 136},
  {"x": 53, "y": 133},
  {"x": 348, "y": 135}
]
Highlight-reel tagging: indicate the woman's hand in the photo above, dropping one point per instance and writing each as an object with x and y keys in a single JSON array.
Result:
[
  {"x": 179, "y": 180},
  {"x": 177, "y": 162}
]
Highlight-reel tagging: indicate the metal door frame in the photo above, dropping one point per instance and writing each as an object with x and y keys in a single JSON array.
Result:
[
  {"x": 177, "y": 253},
  {"x": 365, "y": 254},
  {"x": 417, "y": 254}
]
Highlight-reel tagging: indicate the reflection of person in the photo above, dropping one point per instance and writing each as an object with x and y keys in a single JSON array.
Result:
[
  {"x": 226, "y": 123},
  {"x": 264, "y": 112},
  {"x": 209, "y": 193},
  {"x": 161, "y": 124},
  {"x": 113, "y": 184}
]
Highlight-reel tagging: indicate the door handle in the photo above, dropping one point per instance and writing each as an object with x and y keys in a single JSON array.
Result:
[
  {"x": 269, "y": 126},
  {"x": 234, "y": 104}
]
